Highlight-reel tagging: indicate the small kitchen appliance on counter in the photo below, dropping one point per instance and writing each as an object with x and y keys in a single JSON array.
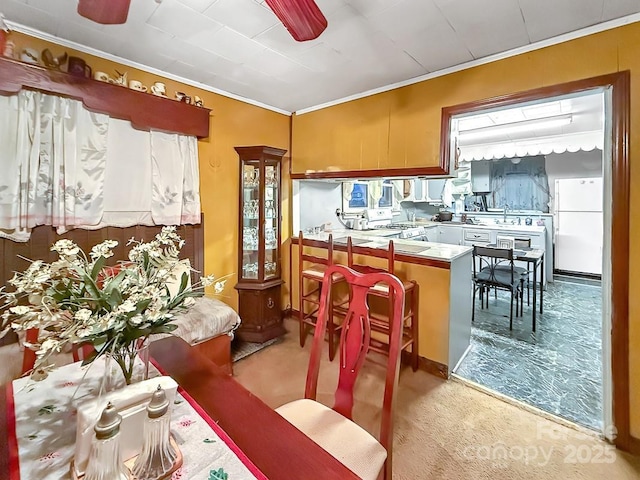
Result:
[
  {"x": 368, "y": 220},
  {"x": 444, "y": 216}
]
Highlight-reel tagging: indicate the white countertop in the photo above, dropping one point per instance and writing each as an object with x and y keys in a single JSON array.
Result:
[
  {"x": 506, "y": 226},
  {"x": 488, "y": 225},
  {"x": 515, "y": 213},
  {"x": 377, "y": 237}
]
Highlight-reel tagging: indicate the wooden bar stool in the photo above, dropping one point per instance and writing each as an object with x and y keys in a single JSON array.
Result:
[
  {"x": 311, "y": 270},
  {"x": 380, "y": 322}
]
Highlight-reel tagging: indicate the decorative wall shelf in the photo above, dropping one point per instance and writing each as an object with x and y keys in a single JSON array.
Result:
[{"x": 144, "y": 110}]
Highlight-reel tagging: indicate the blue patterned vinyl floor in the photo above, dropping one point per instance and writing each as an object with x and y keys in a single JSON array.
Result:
[{"x": 559, "y": 368}]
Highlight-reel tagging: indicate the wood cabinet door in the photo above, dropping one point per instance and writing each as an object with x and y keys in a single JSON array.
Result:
[{"x": 261, "y": 314}]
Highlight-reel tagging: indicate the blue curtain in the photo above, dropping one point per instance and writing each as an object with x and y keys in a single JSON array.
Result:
[{"x": 521, "y": 186}]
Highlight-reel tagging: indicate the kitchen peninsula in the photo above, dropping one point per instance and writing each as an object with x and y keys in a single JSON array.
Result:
[{"x": 443, "y": 273}]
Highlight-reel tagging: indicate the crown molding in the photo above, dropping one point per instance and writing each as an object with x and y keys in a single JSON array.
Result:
[
  {"x": 619, "y": 22},
  {"x": 601, "y": 27},
  {"x": 114, "y": 58}
]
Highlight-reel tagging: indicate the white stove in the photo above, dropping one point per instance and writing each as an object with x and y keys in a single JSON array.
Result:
[
  {"x": 414, "y": 233},
  {"x": 380, "y": 218}
]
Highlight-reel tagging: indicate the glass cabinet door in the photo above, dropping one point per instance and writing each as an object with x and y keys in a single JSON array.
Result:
[
  {"x": 250, "y": 219},
  {"x": 271, "y": 220},
  {"x": 259, "y": 235}
]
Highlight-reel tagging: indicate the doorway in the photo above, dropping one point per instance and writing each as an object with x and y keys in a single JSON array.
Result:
[{"x": 614, "y": 285}]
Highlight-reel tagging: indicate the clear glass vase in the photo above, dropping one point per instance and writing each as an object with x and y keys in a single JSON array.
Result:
[{"x": 126, "y": 364}]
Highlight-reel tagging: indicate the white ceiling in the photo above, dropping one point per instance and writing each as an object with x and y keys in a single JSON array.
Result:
[{"x": 240, "y": 47}]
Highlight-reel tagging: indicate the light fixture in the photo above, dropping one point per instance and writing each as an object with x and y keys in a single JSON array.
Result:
[
  {"x": 302, "y": 18},
  {"x": 105, "y": 12},
  {"x": 516, "y": 127},
  {"x": 516, "y": 160}
]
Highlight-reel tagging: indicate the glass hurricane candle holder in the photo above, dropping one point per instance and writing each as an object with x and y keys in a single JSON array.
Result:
[
  {"x": 158, "y": 456},
  {"x": 105, "y": 462}
]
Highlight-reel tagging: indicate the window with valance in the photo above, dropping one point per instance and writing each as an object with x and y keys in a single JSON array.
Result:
[{"x": 69, "y": 167}]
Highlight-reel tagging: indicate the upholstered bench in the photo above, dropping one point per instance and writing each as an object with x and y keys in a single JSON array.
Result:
[{"x": 208, "y": 326}]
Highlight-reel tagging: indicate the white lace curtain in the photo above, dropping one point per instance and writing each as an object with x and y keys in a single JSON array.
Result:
[{"x": 65, "y": 166}]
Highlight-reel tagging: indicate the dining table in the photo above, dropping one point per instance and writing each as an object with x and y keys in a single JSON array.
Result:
[
  {"x": 535, "y": 260},
  {"x": 277, "y": 448}
]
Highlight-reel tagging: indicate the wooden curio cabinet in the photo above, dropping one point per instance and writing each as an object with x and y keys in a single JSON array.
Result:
[{"x": 259, "y": 244}]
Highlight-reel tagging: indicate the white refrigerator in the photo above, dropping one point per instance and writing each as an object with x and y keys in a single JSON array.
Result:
[{"x": 578, "y": 225}]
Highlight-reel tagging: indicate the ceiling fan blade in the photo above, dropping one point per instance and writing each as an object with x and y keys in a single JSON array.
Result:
[
  {"x": 302, "y": 18},
  {"x": 107, "y": 12}
]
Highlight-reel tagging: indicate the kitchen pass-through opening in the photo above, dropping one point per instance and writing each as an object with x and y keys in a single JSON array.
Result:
[{"x": 560, "y": 367}]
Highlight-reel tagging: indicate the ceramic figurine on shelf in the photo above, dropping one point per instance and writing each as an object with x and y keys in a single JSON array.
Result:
[
  {"x": 159, "y": 89},
  {"x": 9, "y": 49},
  {"x": 53, "y": 62},
  {"x": 4, "y": 32},
  {"x": 121, "y": 79},
  {"x": 29, "y": 55}
]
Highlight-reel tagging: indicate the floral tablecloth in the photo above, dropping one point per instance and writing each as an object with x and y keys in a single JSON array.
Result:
[{"x": 45, "y": 427}]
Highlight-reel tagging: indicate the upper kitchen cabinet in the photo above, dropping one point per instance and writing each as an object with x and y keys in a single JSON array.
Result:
[
  {"x": 412, "y": 129},
  {"x": 480, "y": 175},
  {"x": 348, "y": 137},
  {"x": 390, "y": 134},
  {"x": 424, "y": 190}
]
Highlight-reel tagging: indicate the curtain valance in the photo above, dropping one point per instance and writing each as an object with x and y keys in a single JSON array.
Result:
[{"x": 65, "y": 166}]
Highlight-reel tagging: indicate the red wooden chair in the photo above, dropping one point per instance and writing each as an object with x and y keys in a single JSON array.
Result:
[
  {"x": 333, "y": 429},
  {"x": 29, "y": 356}
]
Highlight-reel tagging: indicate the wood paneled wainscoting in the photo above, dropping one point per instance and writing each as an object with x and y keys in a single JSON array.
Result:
[{"x": 15, "y": 256}]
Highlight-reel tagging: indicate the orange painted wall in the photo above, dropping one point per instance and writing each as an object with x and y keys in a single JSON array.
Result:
[
  {"x": 341, "y": 137},
  {"x": 232, "y": 123}
]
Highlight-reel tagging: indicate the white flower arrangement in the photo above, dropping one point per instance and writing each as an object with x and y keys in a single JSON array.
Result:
[{"x": 78, "y": 299}]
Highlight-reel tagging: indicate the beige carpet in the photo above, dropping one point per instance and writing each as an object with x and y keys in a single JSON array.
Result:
[{"x": 444, "y": 429}]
